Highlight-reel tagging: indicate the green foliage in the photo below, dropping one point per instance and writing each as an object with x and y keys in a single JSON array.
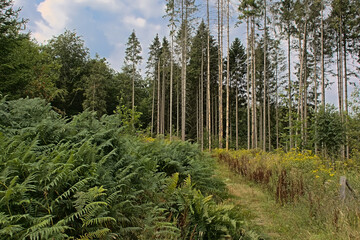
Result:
[
  {"x": 68, "y": 50},
  {"x": 96, "y": 84},
  {"x": 329, "y": 130},
  {"x": 85, "y": 179}
]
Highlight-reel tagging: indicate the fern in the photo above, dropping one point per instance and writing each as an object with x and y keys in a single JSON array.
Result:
[{"x": 83, "y": 178}]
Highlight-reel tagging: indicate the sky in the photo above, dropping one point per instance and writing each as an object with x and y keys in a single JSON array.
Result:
[{"x": 105, "y": 25}]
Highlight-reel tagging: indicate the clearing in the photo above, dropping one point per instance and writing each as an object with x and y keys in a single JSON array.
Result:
[{"x": 268, "y": 217}]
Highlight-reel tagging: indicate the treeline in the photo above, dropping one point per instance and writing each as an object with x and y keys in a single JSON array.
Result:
[{"x": 272, "y": 91}]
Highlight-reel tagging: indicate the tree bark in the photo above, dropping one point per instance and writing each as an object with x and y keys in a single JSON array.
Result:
[
  {"x": 202, "y": 101},
  {"x": 254, "y": 103},
  {"x": 248, "y": 83},
  {"x": 322, "y": 57},
  {"x": 315, "y": 90},
  {"x": 228, "y": 76},
  {"x": 163, "y": 102},
  {"x": 153, "y": 108},
  {"x": 158, "y": 102},
  {"x": 208, "y": 106},
  {"x": 290, "y": 94},
  {"x": 265, "y": 77},
  {"x": 347, "y": 149},
  {"x": 237, "y": 117},
  {"x": 171, "y": 77},
  {"x": 220, "y": 38},
  {"x": 277, "y": 103}
]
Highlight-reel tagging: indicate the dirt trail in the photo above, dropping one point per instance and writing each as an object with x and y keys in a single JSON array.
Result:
[{"x": 273, "y": 220}]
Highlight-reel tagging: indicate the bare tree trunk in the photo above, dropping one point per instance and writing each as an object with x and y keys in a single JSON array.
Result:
[
  {"x": 216, "y": 129},
  {"x": 305, "y": 99},
  {"x": 299, "y": 106},
  {"x": 163, "y": 102},
  {"x": 197, "y": 112},
  {"x": 347, "y": 149},
  {"x": 184, "y": 58},
  {"x": 315, "y": 91},
  {"x": 341, "y": 97},
  {"x": 265, "y": 77},
  {"x": 220, "y": 36},
  {"x": 133, "y": 96},
  {"x": 158, "y": 102},
  {"x": 177, "y": 108},
  {"x": 171, "y": 78},
  {"x": 341, "y": 83},
  {"x": 302, "y": 80},
  {"x": 290, "y": 97},
  {"x": 277, "y": 104},
  {"x": 202, "y": 100},
  {"x": 248, "y": 83},
  {"x": 228, "y": 76},
  {"x": 269, "y": 123},
  {"x": 261, "y": 117},
  {"x": 254, "y": 103},
  {"x": 338, "y": 78},
  {"x": 214, "y": 119},
  {"x": 322, "y": 57},
  {"x": 208, "y": 107},
  {"x": 237, "y": 117},
  {"x": 153, "y": 108}
]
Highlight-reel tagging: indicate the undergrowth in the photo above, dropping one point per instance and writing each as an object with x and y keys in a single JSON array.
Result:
[
  {"x": 88, "y": 178},
  {"x": 307, "y": 182}
]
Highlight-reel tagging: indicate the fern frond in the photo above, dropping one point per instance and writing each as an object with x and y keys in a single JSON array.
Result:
[
  {"x": 73, "y": 189},
  {"x": 98, "y": 234},
  {"x": 98, "y": 221}
]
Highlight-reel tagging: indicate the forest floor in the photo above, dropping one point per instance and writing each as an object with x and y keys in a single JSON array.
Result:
[{"x": 266, "y": 216}]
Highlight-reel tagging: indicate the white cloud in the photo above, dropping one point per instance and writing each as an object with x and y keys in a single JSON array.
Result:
[
  {"x": 103, "y": 5},
  {"x": 133, "y": 21},
  {"x": 148, "y": 8},
  {"x": 56, "y": 15}
]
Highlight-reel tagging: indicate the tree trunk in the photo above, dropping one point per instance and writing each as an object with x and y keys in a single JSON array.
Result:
[
  {"x": 346, "y": 98},
  {"x": 197, "y": 112},
  {"x": 158, "y": 101},
  {"x": 248, "y": 83},
  {"x": 341, "y": 83},
  {"x": 315, "y": 90},
  {"x": 265, "y": 77},
  {"x": 237, "y": 117},
  {"x": 228, "y": 76},
  {"x": 163, "y": 102},
  {"x": 322, "y": 57},
  {"x": 177, "y": 108},
  {"x": 133, "y": 96},
  {"x": 277, "y": 103},
  {"x": 202, "y": 100},
  {"x": 302, "y": 80},
  {"x": 153, "y": 108},
  {"x": 290, "y": 97},
  {"x": 183, "y": 67},
  {"x": 254, "y": 103},
  {"x": 208, "y": 107},
  {"x": 171, "y": 79},
  {"x": 269, "y": 123},
  {"x": 220, "y": 38}
]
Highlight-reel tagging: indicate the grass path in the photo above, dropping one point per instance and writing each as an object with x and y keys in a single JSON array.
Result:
[{"x": 268, "y": 217}]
